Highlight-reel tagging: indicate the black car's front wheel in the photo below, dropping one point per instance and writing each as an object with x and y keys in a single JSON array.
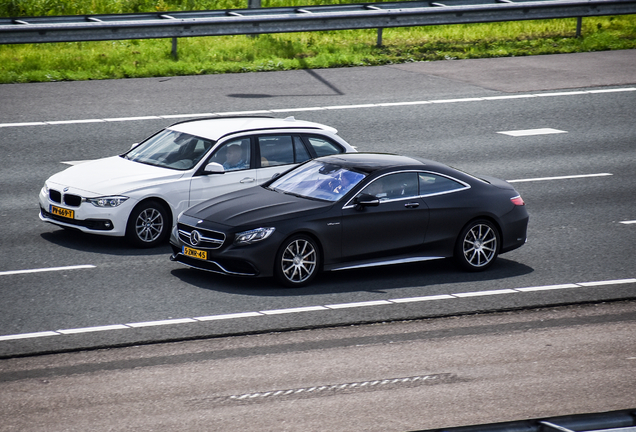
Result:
[
  {"x": 478, "y": 245},
  {"x": 297, "y": 261},
  {"x": 148, "y": 225}
]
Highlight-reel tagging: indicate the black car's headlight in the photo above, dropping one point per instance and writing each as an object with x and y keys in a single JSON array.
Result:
[
  {"x": 111, "y": 201},
  {"x": 253, "y": 236}
]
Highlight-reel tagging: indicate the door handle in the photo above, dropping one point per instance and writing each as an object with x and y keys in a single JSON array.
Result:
[
  {"x": 248, "y": 180},
  {"x": 412, "y": 205}
]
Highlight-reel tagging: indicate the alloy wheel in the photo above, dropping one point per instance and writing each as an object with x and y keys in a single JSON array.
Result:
[
  {"x": 299, "y": 261},
  {"x": 149, "y": 225},
  {"x": 479, "y": 245}
]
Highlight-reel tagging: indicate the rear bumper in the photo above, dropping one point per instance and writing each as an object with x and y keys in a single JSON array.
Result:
[{"x": 516, "y": 229}]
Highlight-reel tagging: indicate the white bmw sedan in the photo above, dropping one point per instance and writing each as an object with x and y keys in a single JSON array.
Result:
[{"x": 139, "y": 194}]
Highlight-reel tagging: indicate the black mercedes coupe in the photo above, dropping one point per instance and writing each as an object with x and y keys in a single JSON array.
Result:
[{"x": 350, "y": 211}]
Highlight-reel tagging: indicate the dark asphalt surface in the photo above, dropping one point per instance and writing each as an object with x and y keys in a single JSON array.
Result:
[{"x": 576, "y": 234}]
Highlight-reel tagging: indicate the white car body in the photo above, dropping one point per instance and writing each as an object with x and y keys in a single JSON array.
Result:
[{"x": 130, "y": 184}]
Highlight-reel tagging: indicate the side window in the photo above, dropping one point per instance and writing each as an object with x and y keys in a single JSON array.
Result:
[
  {"x": 393, "y": 186},
  {"x": 323, "y": 147},
  {"x": 276, "y": 150},
  {"x": 301, "y": 151},
  {"x": 433, "y": 184},
  {"x": 233, "y": 155}
]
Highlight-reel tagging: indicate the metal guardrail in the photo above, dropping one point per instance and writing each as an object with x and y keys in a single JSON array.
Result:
[
  {"x": 301, "y": 19},
  {"x": 614, "y": 421}
]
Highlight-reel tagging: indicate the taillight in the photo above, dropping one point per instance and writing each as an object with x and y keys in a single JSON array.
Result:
[{"x": 517, "y": 200}]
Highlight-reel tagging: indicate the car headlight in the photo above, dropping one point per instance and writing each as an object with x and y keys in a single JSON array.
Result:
[
  {"x": 113, "y": 201},
  {"x": 253, "y": 236}
]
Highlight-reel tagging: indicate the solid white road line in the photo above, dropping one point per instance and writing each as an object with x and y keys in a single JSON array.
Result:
[
  {"x": 50, "y": 269},
  {"x": 305, "y": 309},
  {"x": 559, "y": 177},
  {"x": 301, "y": 109}
]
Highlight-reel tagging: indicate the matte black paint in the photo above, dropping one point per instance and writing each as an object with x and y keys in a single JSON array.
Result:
[{"x": 424, "y": 226}]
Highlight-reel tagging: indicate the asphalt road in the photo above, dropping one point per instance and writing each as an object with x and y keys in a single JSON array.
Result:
[
  {"x": 399, "y": 376},
  {"x": 578, "y": 182}
]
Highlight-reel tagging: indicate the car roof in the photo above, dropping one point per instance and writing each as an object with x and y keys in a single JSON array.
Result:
[
  {"x": 370, "y": 162},
  {"x": 216, "y": 128}
]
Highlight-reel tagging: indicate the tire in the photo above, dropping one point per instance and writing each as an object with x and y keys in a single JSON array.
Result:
[
  {"x": 477, "y": 246},
  {"x": 297, "y": 261},
  {"x": 148, "y": 225}
]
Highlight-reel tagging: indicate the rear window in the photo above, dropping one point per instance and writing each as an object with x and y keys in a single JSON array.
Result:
[{"x": 324, "y": 147}]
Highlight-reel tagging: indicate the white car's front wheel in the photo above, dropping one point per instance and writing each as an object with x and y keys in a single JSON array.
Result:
[{"x": 148, "y": 224}]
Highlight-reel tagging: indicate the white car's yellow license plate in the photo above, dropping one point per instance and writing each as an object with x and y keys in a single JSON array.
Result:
[
  {"x": 65, "y": 213},
  {"x": 195, "y": 253}
]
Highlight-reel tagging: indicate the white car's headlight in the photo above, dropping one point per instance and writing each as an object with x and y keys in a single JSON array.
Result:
[
  {"x": 112, "y": 201},
  {"x": 252, "y": 236}
]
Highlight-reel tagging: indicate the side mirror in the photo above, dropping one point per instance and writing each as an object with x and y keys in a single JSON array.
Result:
[
  {"x": 214, "y": 168},
  {"x": 366, "y": 200},
  {"x": 134, "y": 145}
]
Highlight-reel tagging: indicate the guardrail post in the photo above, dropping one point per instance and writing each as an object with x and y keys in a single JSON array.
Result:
[
  {"x": 175, "y": 55},
  {"x": 579, "y": 23},
  {"x": 379, "y": 42},
  {"x": 253, "y": 4}
]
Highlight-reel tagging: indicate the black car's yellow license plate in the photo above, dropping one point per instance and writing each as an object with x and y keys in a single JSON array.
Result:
[
  {"x": 65, "y": 213},
  {"x": 195, "y": 253}
]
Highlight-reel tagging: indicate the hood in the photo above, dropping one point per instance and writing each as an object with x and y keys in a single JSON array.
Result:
[
  {"x": 254, "y": 206},
  {"x": 112, "y": 176}
]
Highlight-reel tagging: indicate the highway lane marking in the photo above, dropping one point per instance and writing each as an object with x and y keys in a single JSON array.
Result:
[
  {"x": 532, "y": 132},
  {"x": 629, "y": 222},
  {"x": 578, "y": 176},
  {"x": 306, "y": 309},
  {"x": 318, "y": 108},
  {"x": 76, "y": 162},
  {"x": 49, "y": 269}
]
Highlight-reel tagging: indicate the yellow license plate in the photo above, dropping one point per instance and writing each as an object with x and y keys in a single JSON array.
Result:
[
  {"x": 195, "y": 253},
  {"x": 59, "y": 211}
]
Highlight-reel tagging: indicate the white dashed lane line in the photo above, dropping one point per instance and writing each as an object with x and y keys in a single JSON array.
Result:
[
  {"x": 532, "y": 132},
  {"x": 312, "y": 309},
  {"x": 318, "y": 108}
]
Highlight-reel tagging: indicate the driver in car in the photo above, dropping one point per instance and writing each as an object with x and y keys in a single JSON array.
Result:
[{"x": 234, "y": 158}]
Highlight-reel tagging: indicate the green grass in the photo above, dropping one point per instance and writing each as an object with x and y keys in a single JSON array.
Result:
[{"x": 223, "y": 54}]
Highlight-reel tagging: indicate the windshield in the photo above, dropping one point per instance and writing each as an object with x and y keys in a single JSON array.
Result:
[
  {"x": 170, "y": 149},
  {"x": 318, "y": 180}
]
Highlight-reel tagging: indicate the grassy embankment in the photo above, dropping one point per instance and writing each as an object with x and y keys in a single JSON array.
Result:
[{"x": 221, "y": 54}]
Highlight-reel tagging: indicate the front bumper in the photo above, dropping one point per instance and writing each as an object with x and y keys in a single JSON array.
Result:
[
  {"x": 222, "y": 266},
  {"x": 255, "y": 260},
  {"x": 87, "y": 217}
]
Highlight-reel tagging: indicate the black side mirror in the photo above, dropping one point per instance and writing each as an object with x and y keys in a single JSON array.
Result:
[{"x": 366, "y": 200}]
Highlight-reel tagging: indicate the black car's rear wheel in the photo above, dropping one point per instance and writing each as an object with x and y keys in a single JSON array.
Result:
[
  {"x": 297, "y": 261},
  {"x": 478, "y": 245},
  {"x": 148, "y": 225}
]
